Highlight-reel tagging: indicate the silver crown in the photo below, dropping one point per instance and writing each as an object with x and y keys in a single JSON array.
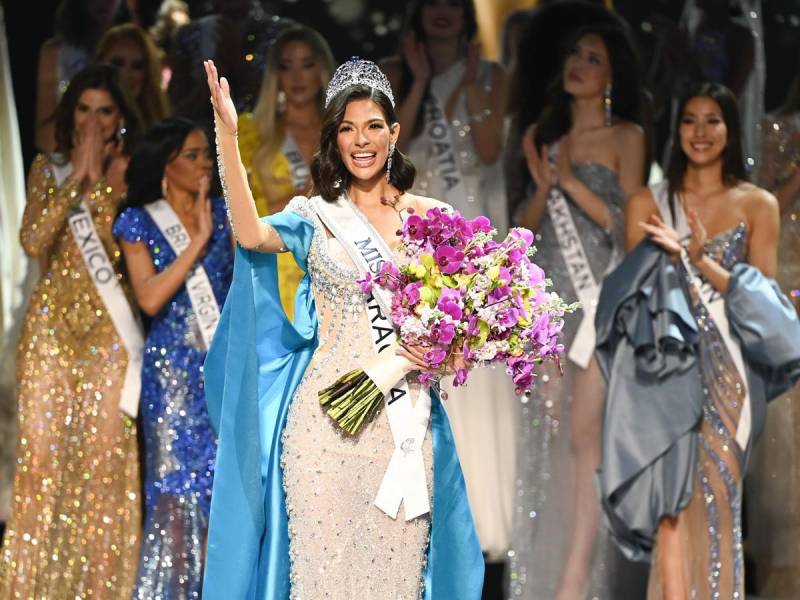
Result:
[{"x": 358, "y": 71}]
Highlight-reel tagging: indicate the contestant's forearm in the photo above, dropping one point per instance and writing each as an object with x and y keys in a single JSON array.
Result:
[
  {"x": 153, "y": 293},
  {"x": 486, "y": 126},
  {"x": 408, "y": 111},
  {"x": 596, "y": 209},
  {"x": 250, "y": 232},
  {"x": 715, "y": 273}
]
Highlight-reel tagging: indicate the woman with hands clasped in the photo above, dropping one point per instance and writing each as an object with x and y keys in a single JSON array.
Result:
[
  {"x": 693, "y": 322},
  {"x": 179, "y": 255},
  {"x": 301, "y": 509},
  {"x": 75, "y": 522},
  {"x": 586, "y": 154},
  {"x": 452, "y": 104},
  {"x": 722, "y": 234}
]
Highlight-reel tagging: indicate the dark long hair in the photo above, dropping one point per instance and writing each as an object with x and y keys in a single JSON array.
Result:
[
  {"x": 626, "y": 90},
  {"x": 96, "y": 77},
  {"x": 328, "y": 172},
  {"x": 160, "y": 144},
  {"x": 733, "y": 170},
  {"x": 413, "y": 22}
]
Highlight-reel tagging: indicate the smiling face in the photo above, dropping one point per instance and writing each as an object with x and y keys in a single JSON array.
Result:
[
  {"x": 99, "y": 105},
  {"x": 299, "y": 73},
  {"x": 442, "y": 19},
  {"x": 703, "y": 132},
  {"x": 587, "y": 70},
  {"x": 363, "y": 139},
  {"x": 130, "y": 58},
  {"x": 191, "y": 164}
]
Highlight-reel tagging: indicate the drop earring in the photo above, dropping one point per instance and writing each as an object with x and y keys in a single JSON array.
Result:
[
  {"x": 389, "y": 163},
  {"x": 164, "y": 187},
  {"x": 607, "y": 108}
]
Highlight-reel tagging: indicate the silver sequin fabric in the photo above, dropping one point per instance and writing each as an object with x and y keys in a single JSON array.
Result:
[
  {"x": 544, "y": 504},
  {"x": 341, "y": 545},
  {"x": 709, "y": 528}
]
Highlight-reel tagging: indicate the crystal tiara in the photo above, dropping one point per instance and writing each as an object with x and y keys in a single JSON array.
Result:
[{"x": 358, "y": 71}]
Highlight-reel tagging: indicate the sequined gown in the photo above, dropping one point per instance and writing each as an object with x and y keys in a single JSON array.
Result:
[
  {"x": 544, "y": 496},
  {"x": 341, "y": 545},
  {"x": 179, "y": 442},
  {"x": 710, "y": 528},
  {"x": 75, "y": 522},
  {"x": 773, "y": 483}
]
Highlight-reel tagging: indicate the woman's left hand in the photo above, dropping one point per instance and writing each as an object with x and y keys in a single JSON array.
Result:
[
  {"x": 471, "y": 65},
  {"x": 697, "y": 242},
  {"x": 564, "y": 173}
]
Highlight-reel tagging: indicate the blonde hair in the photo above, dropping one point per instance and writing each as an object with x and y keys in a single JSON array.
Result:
[
  {"x": 266, "y": 114},
  {"x": 152, "y": 101}
]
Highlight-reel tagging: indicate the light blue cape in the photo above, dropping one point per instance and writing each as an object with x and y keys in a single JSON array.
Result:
[{"x": 253, "y": 367}]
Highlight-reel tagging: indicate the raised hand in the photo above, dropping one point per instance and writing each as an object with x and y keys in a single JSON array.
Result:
[
  {"x": 564, "y": 170},
  {"x": 415, "y": 55},
  {"x": 471, "y": 65},
  {"x": 697, "y": 242},
  {"x": 224, "y": 109},
  {"x": 202, "y": 213},
  {"x": 538, "y": 165}
]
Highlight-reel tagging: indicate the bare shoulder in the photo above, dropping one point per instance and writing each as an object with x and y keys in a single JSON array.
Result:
[
  {"x": 628, "y": 133},
  {"x": 757, "y": 199},
  {"x": 423, "y": 204},
  {"x": 642, "y": 201}
]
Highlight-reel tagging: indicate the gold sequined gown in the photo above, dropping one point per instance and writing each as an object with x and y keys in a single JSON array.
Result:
[
  {"x": 75, "y": 521},
  {"x": 341, "y": 545},
  {"x": 773, "y": 484}
]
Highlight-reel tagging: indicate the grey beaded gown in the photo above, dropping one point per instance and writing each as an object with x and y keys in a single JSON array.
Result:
[{"x": 544, "y": 496}]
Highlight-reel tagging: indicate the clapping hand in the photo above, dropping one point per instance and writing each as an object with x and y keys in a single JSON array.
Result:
[
  {"x": 538, "y": 164},
  {"x": 471, "y": 64},
  {"x": 224, "y": 109},
  {"x": 669, "y": 239},
  {"x": 202, "y": 212},
  {"x": 415, "y": 55},
  {"x": 90, "y": 151}
]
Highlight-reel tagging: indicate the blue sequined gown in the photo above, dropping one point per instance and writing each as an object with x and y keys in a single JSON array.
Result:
[{"x": 179, "y": 442}]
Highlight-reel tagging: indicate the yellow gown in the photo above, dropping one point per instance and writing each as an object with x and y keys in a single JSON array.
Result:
[
  {"x": 289, "y": 274},
  {"x": 75, "y": 516}
]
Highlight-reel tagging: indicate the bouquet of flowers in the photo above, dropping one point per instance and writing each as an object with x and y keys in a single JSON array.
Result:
[{"x": 458, "y": 293}]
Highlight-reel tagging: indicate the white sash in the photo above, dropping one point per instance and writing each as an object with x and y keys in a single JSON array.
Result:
[
  {"x": 297, "y": 165},
  {"x": 580, "y": 274},
  {"x": 104, "y": 278},
  {"x": 715, "y": 305},
  {"x": 440, "y": 140},
  {"x": 201, "y": 294},
  {"x": 404, "y": 480}
]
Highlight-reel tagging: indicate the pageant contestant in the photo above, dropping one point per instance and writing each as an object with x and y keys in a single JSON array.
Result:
[
  {"x": 452, "y": 104},
  {"x": 279, "y": 138},
  {"x": 299, "y": 509},
  {"x": 75, "y": 522},
  {"x": 179, "y": 256},
  {"x": 452, "y": 107},
  {"x": 585, "y": 155},
  {"x": 691, "y": 323}
]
